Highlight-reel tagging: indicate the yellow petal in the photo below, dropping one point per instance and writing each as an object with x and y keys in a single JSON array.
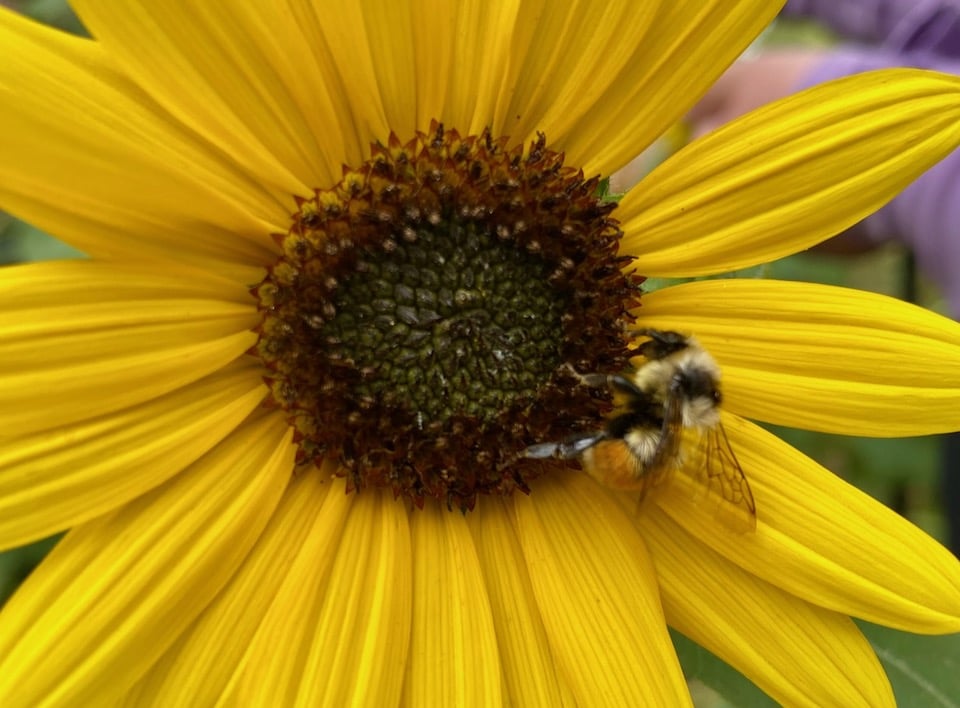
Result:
[
  {"x": 76, "y": 344},
  {"x": 78, "y": 377},
  {"x": 119, "y": 165},
  {"x": 454, "y": 658},
  {"x": 48, "y": 288},
  {"x": 363, "y": 632},
  {"x": 529, "y": 673},
  {"x": 265, "y": 674},
  {"x": 389, "y": 33},
  {"x": 342, "y": 613},
  {"x": 791, "y": 174},
  {"x": 483, "y": 51},
  {"x": 116, "y": 592},
  {"x": 434, "y": 39},
  {"x": 240, "y": 74},
  {"x": 54, "y": 480},
  {"x": 563, "y": 57},
  {"x": 196, "y": 669},
  {"x": 821, "y": 357},
  {"x": 797, "y": 653},
  {"x": 597, "y": 593},
  {"x": 345, "y": 56},
  {"x": 685, "y": 49},
  {"x": 827, "y": 542},
  {"x": 434, "y": 61}
]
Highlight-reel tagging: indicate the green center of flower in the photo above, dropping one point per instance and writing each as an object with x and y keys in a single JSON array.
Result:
[
  {"x": 450, "y": 321},
  {"x": 421, "y": 324}
]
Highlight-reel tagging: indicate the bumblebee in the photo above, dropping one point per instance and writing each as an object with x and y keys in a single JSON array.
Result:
[{"x": 668, "y": 418}]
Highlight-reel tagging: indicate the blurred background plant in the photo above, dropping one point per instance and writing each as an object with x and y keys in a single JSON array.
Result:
[{"x": 903, "y": 473}]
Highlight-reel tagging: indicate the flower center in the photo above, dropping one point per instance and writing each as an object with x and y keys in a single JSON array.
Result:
[
  {"x": 449, "y": 321},
  {"x": 421, "y": 325}
]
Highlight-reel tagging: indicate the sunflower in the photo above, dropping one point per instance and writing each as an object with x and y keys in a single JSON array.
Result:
[{"x": 346, "y": 264}]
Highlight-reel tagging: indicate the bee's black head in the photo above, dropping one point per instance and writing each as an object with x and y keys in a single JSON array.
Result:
[{"x": 692, "y": 383}]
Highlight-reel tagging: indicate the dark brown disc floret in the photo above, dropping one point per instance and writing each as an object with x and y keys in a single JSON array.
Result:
[{"x": 422, "y": 321}]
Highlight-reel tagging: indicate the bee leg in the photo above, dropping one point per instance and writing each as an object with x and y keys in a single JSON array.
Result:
[
  {"x": 566, "y": 450},
  {"x": 585, "y": 380},
  {"x": 543, "y": 451},
  {"x": 594, "y": 380},
  {"x": 617, "y": 381}
]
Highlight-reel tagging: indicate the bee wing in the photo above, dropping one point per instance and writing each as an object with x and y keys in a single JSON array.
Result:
[{"x": 728, "y": 490}]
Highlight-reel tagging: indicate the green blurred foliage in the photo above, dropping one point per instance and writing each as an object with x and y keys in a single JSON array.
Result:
[
  {"x": 22, "y": 243},
  {"x": 17, "y": 564},
  {"x": 56, "y": 13}
]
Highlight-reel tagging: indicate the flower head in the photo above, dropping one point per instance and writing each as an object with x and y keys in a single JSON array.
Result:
[{"x": 347, "y": 267}]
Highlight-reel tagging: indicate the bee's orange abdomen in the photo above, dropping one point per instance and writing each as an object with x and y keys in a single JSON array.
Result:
[{"x": 610, "y": 462}]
